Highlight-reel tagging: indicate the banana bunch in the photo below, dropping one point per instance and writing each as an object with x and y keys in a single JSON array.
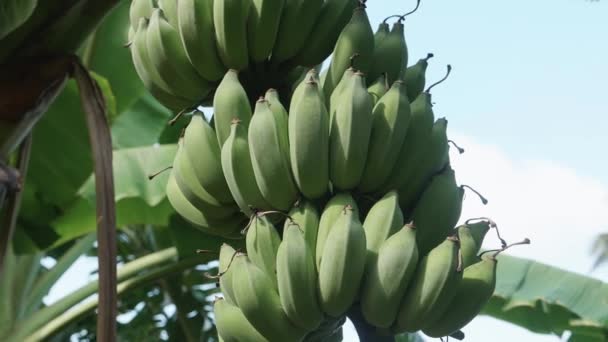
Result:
[
  {"x": 182, "y": 49},
  {"x": 339, "y": 179}
]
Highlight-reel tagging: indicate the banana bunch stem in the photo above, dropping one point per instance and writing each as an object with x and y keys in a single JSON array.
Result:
[{"x": 366, "y": 331}]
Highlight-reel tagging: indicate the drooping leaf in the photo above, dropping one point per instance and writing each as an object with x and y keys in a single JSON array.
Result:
[
  {"x": 138, "y": 199},
  {"x": 549, "y": 300},
  {"x": 142, "y": 124},
  {"x": 600, "y": 250}
]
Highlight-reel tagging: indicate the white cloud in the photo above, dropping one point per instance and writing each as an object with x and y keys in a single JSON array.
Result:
[{"x": 555, "y": 206}]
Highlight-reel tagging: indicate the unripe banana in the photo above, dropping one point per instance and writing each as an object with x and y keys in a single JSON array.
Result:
[
  {"x": 418, "y": 132},
  {"x": 259, "y": 301},
  {"x": 342, "y": 264},
  {"x": 236, "y": 164},
  {"x": 305, "y": 215},
  {"x": 349, "y": 135},
  {"x": 297, "y": 280},
  {"x": 433, "y": 286},
  {"x": 334, "y": 15},
  {"x": 297, "y": 21},
  {"x": 148, "y": 74},
  {"x": 230, "y": 101},
  {"x": 430, "y": 158},
  {"x": 228, "y": 228},
  {"x": 230, "y": 21},
  {"x": 169, "y": 8},
  {"x": 387, "y": 280},
  {"x": 227, "y": 254},
  {"x": 333, "y": 100},
  {"x": 195, "y": 22},
  {"x": 272, "y": 96},
  {"x": 232, "y": 325},
  {"x": 262, "y": 242},
  {"x": 415, "y": 79},
  {"x": 471, "y": 236},
  {"x": 197, "y": 195},
  {"x": 140, "y": 9},
  {"x": 203, "y": 151},
  {"x": 269, "y": 147},
  {"x": 473, "y": 293},
  {"x": 309, "y": 76},
  {"x": 378, "y": 88},
  {"x": 383, "y": 220},
  {"x": 390, "y": 54},
  {"x": 263, "y": 25},
  {"x": 169, "y": 58},
  {"x": 438, "y": 210},
  {"x": 356, "y": 38},
  {"x": 332, "y": 211},
  {"x": 391, "y": 119},
  {"x": 308, "y": 141}
]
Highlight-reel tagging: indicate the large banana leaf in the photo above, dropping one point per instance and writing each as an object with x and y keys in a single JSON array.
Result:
[{"x": 549, "y": 300}]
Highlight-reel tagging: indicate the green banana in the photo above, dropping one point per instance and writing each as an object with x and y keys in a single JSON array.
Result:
[
  {"x": 230, "y": 21},
  {"x": 383, "y": 220},
  {"x": 195, "y": 23},
  {"x": 272, "y": 96},
  {"x": 238, "y": 170},
  {"x": 415, "y": 78},
  {"x": 308, "y": 141},
  {"x": 342, "y": 264},
  {"x": 187, "y": 182},
  {"x": 227, "y": 254},
  {"x": 356, "y": 38},
  {"x": 334, "y": 15},
  {"x": 332, "y": 211},
  {"x": 230, "y": 102},
  {"x": 350, "y": 134},
  {"x": 390, "y": 54},
  {"x": 297, "y": 280},
  {"x": 304, "y": 214},
  {"x": 297, "y": 21},
  {"x": 169, "y": 8},
  {"x": 149, "y": 76},
  {"x": 269, "y": 147},
  {"x": 311, "y": 75},
  {"x": 381, "y": 32},
  {"x": 203, "y": 151},
  {"x": 430, "y": 158},
  {"x": 418, "y": 133},
  {"x": 169, "y": 59},
  {"x": 228, "y": 228},
  {"x": 140, "y": 9},
  {"x": 262, "y": 28},
  {"x": 433, "y": 286},
  {"x": 438, "y": 210},
  {"x": 471, "y": 236},
  {"x": 474, "y": 291},
  {"x": 262, "y": 241},
  {"x": 333, "y": 100},
  {"x": 232, "y": 325},
  {"x": 391, "y": 119},
  {"x": 472, "y": 294},
  {"x": 387, "y": 280},
  {"x": 259, "y": 301},
  {"x": 378, "y": 88}
]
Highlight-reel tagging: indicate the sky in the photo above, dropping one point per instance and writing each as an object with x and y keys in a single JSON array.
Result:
[{"x": 527, "y": 99}]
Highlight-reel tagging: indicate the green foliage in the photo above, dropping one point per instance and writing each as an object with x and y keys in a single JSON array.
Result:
[{"x": 549, "y": 300}]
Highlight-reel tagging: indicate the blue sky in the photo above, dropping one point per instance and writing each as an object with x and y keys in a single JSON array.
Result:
[{"x": 528, "y": 100}]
